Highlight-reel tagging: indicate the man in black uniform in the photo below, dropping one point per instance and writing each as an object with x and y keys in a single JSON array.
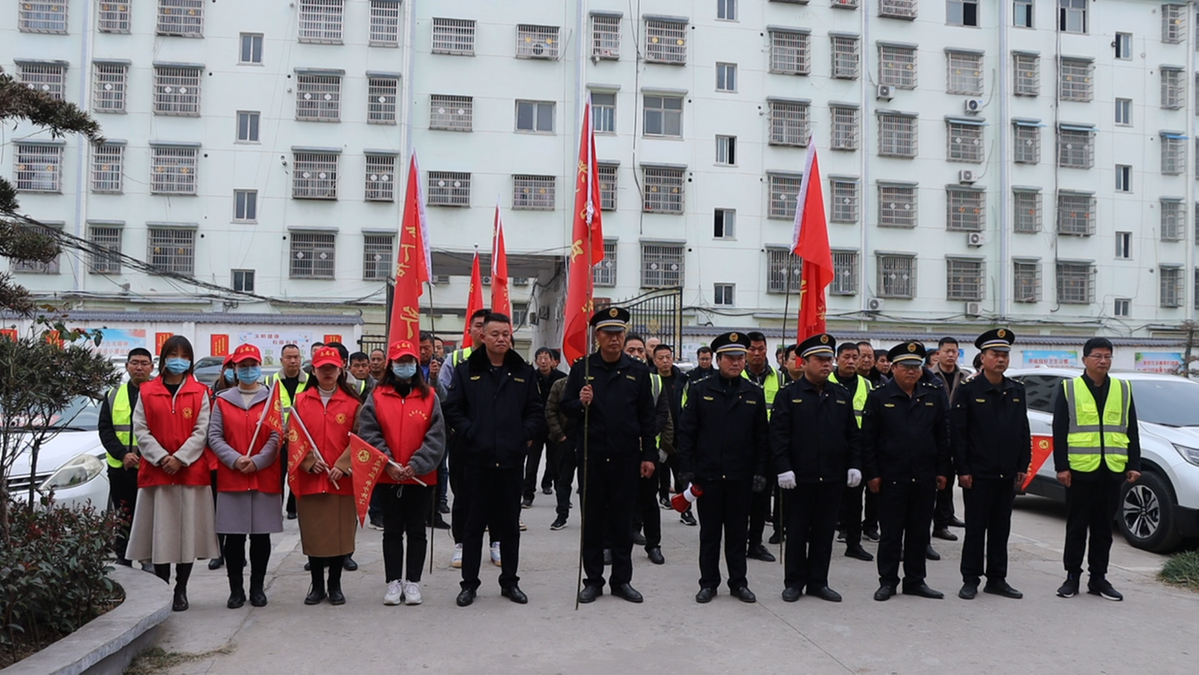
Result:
[
  {"x": 615, "y": 443},
  {"x": 905, "y": 448},
  {"x": 992, "y": 447},
  {"x": 722, "y": 446},
  {"x": 814, "y": 440}
]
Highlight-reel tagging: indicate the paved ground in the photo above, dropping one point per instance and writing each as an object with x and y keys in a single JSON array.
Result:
[{"x": 1153, "y": 630}]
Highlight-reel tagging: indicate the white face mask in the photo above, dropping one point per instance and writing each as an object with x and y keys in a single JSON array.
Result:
[{"x": 404, "y": 371}]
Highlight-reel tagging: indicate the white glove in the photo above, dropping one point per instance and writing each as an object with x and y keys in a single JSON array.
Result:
[
  {"x": 787, "y": 480},
  {"x": 854, "y": 478},
  {"x": 661, "y": 456}
]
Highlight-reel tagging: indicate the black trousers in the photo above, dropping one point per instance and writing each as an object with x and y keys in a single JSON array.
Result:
[
  {"x": 564, "y": 473},
  {"x": 533, "y": 465},
  {"x": 870, "y": 520},
  {"x": 235, "y": 558},
  {"x": 454, "y": 452},
  {"x": 1090, "y": 506},
  {"x": 122, "y": 496},
  {"x": 905, "y": 512},
  {"x": 988, "y": 524},
  {"x": 609, "y": 498},
  {"x": 943, "y": 513},
  {"x": 405, "y": 509},
  {"x": 494, "y": 504},
  {"x": 723, "y": 508},
  {"x": 648, "y": 515},
  {"x": 811, "y": 523},
  {"x": 759, "y": 513},
  {"x": 851, "y": 513}
]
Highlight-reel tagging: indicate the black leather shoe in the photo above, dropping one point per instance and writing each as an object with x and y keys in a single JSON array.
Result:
[
  {"x": 884, "y": 593},
  {"x": 655, "y": 556},
  {"x": 443, "y": 508},
  {"x": 315, "y": 595},
  {"x": 776, "y": 538},
  {"x": 638, "y": 539},
  {"x": 627, "y": 592},
  {"x": 956, "y": 522},
  {"x": 257, "y": 597},
  {"x": 291, "y": 515},
  {"x": 527, "y": 502},
  {"x": 705, "y": 595},
  {"x": 859, "y": 553},
  {"x": 923, "y": 591},
  {"x": 759, "y": 552},
  {"x": 744, "y": 594},
  {"x": 439, "y": 522},
  {"x": 348, "y": 564},
  {"x": 216, "y": 563},
  {"x": 237, "y": 600},
  {"x": 514, "y": 594},
  {"x": 825, "y": 593},
  {"x": 944, "y": 533},
  {"x": 969, "y": 591},
  {"x": 308, "y": 567},
  {"x": 931, "y": 553},
  {"x": 547, "y": 490},
  {"x": 791, "y": 594},
  {"x": 1002, "y": 588},
  {"x": 872, "y": 535},
  {"x": 590, "y": 593},
  {"x": 336, "y": 597},
  {"x": 466, "y": 597},
  {"x": 607, "y": 556},
  {"x": 179, "y": 603}
]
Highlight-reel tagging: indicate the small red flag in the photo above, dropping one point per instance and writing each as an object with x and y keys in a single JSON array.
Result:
[
  {"x": 367, "y": 464},
  {"x": 272, "y": 414},
  {"x": 299, "y": 444},
  {"x": 588, "y": 232},
  {"x": 413, "y": 263},
  {"x": 1042, "y": 449},
  {"x": 500, "y": 300},
  {"x": 474, "y": 300},
  {"x": 810, "y": 242}
]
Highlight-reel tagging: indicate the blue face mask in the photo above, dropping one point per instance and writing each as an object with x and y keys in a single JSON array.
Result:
[
  {"x": 229, "y": 375},
  {"x": 177, "y": 366},
  {"x": 404, "y": 371},
  {"x": 249, "y": 374}
]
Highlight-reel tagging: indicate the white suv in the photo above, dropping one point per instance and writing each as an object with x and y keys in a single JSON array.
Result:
[{"x": 1162, "y": 508}]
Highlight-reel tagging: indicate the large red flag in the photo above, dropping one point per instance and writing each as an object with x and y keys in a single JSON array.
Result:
[
  {"x": 588, "y": 232},
  {"x": 299, "y": 444},
  {"x": 413, "y": 263},
  {"x": 366, "y": 467},
  {"x": 810, "y": 242},
  {"x": 474, "y": 300},
  {"x": 500, "y": 301}
]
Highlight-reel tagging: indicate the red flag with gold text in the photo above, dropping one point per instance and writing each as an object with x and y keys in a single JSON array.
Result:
[
  {"x": 1042, "y": 449},
  {"x": 299, "y": 444},
  {"x": 474, "y": 299},
  {"x": 272, "y": 414},
  {"x": 810, "y": 242},
  {"x": 413, "y": 263},
  {"x": 366, "y": 467},
  {"x": 501, "y": 301},
  {"x": 587, "y": 233}
]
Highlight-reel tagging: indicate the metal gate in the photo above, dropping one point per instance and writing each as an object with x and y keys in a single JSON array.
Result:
[
  {"x": 659, "y": 314},
  {"x": 367, "y": 343}
]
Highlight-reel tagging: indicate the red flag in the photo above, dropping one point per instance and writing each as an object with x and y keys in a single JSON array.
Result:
[
  {"x": 299, "y": 444},
  {"x": 367, "y": 464},
  {"x": 810, "y": 242},
  {"x": 474, "y": 300},
  {"x": 588, "y": 232},
  {"x": 413, "y": 263},
  {"x": 1042, "y": 449},
  {"x": 500, "y": 301},
  {"x": 272, "y": 414}
]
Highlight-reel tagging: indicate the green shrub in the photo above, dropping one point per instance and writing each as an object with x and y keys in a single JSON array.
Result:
[{"x": 1182, "y": 570}]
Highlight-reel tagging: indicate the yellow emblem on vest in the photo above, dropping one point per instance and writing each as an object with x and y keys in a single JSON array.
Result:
[
  {"x": 341, "y": 418},
  {"x": 187, "y": 413}
]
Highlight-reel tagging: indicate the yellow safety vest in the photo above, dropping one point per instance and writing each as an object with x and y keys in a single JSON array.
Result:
[
  {"x": 284, "y": 397},
  {"x": 122, "y": 421},
  {"x": 1083, "y": 441},
  {"x": 859, "y": 395},
  {"x": 770, "y": 386}
]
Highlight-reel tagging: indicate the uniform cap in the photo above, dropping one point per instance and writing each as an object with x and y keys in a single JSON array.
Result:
[
  {"x": 246, "y": 351},
  {"x": 730, "y": 343},
  {"x": 822, "y": 344},
  {"x": 999, "y": 339},
  {"x": 906, "y": 352},
  {"x": 611, "y": 318}
]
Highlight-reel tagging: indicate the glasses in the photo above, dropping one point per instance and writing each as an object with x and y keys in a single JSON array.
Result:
[{"x": 1100, "y": 357}]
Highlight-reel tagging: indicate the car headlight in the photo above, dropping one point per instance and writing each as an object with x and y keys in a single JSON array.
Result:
[
  {"x": 78, "y": 471},
  {"x": 1189, "y": 454}
]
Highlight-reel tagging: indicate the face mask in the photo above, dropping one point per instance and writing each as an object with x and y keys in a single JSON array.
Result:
[
  {"x": 249, "y": 374},
  {"x": 177, "y": 366},
  {"x": 229, "y": 375},
  {"x": 403, "y": 371}
]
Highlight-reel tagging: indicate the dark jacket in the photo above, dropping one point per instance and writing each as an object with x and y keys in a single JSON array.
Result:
[
  {"x": 988, "y": 425},
  {"x": 1061, "y": 429},
  {"x": 814, "y": 433},
  {"x": 621, "y": 420},
  {"x": 495, "y": 413},
  {"x": 674, "y": 386},
  {"x": 905, "y": 438},
  {"x": 696, "y": 374},
  {"x": 723, "y": 433},
  {"x": 557, "y": 423}
]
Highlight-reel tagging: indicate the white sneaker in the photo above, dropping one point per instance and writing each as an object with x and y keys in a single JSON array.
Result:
[
  {"x": 495, "y": 553},
  {"x": 395, "y": 592},
  {"x": 411, "y": 593},
  {"x": 456, "y": 561}
]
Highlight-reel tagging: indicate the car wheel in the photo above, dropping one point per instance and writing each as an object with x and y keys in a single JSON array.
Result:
[{"x": 1146, "y": 514}]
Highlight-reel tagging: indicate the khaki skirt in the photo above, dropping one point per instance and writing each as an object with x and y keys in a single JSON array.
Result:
[{"x": 327, "y": 524}]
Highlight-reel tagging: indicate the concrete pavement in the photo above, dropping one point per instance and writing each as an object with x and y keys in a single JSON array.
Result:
[{"x": 1153, "y": 630}]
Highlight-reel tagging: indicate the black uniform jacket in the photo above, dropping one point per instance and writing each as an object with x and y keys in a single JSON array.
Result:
[
  {"x": 622, "y": 416},
  {"x": 814, "y": 433},
  {"x": 905, "y": 437},
  {"x": 989, "y": 429},
  {"x": 497, "y": 413},
  {"x": 723, "y": 433}
]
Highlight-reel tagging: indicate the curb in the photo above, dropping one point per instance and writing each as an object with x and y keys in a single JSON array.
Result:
[{"x": 109, "y": 642}]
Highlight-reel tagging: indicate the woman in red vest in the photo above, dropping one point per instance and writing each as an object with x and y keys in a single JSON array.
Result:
[
  {"x": 329, "y": 412},
  {"x": 173, "y": 522},
  {"x": 249, "y": 484},
  {"x": 402, "y": 418}
]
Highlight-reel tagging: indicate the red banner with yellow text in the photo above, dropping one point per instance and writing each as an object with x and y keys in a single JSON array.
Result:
[{"x": 366, "y": 466}]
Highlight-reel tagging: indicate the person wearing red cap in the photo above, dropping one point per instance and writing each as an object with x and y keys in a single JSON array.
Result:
[
  {"x": 249, "y": 493},
  {"x": 227, "y": 378},
  {"x": 402, "y": 418}
]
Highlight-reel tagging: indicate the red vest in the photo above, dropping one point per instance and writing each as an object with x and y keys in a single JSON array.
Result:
[
  {"x": 330, "y": 428},
  {"x": 405, "y": 421},
  {"x": 171, "y": 421},
  {"x": 238, "y": 428}
]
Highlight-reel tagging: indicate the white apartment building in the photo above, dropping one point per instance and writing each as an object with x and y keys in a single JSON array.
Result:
[{"x": 1023, "y": 161}]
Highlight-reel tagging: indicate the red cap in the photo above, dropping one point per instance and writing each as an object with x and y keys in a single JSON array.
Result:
[
  {"x": 246, "y": 351},
  {"x": 228, "y": 360},
  {"x": 402, "y": 348},
  {"x": 327, "y": 356}
]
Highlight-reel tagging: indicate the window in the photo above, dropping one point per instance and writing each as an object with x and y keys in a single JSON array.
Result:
[
  {"x": 173, "y": 170},
  {"x": 789, "y": 123},
  {"x": 726, "y": 77},
  {"x": 1027, "y": 142},
  {"x": 897, "y": 66},
  {"x": 454, "y": 36},
  {"x": 607, "y": 184},
  {"x": 784, "y": 194},
  {"x": 1075, "y": 283},
  {"x": 964, "y": 279},
  {"x": 245, "y": 206},
  {"x": 790, "y": 52},
  {"x": 1075, "y": 213},
  {"x": 1123, "y": 245},
  {"x": 107, "y": 168},
  {"x": 1121, "y": 307},
  {"x": 381, "y": 100},
  {"x": 106, "y": 238},
  {"x": 1026, "y": 281},
  {"x": 662, "y": 265},
  {"x": 1174, "y": 222},
  {"x": 320, "y": 21},
  {"x": 536, "y": 42},
  {"x": 964, "y": 140},
  {"x": 114, "y": 17},
  {"x": 181, "y": 18},
  {"x": 1027, "y": 207},
  {"x": 247, "y": 126},
  {"x": 42, "y": 17},
  {"x": 603, "y": 113},
  {"x": 1171, "y": 279},
  {"x": 1173, "y": 89},
  {"x": 663, "y": 190},
  {"x": 961, "y": 12},
  {"x": 1022, "y": 13},
  {"x": 312, "y": 255},
  {"x": 38, "y": 167},
  {"x": 845, "y": 57},
  {"x": 1075, "y": 80},
  {"x": 966, "y": 209},
  {"x": 844, "y": 128},
  {"x": 845, "y": 273},
  {"x": 251, "y": 49},
  {"x": 965, "y": 73},
  {"x": 666, "y": 41},
  {"x": 1174, "y": 24},
  {"x": 845, "y": 200},
  {"x": 1124, "y": 111},
  {"x": 897, "y": 9},
  {"x": 318, "y": 97},
  {"x": 535, "y": 116},
  {"x": 896, "y": 275},
  {"x": 385, "y": 23},
  {"x": 722, "y": 294},
  {"x": 1075, "y": 147},
  {"x": 449, "y": 188},
  {"x": 33, "y": 267},
  {"x": 896, "y": 135},
  {"x": 783, "y": 271},
  {"x": 664, "y": 116},
  {"x": 177, "y": 90},
  {"x": 1072, "y": 16},
  {"x": 1174, "y": 154},
  {"x": 533, "y": 193},
  {"x": 380, "y": 178},
  {"x": 727, "y": 10},
  {"x": 845, "y": 4},
  {"x": 725, "y": 224},
  {"x": 378, "y": 256},
  {"x": 451, "y": 113},
  {"x": 48, "y": 78},
  {"x": 726, "y": 150},
  {"x": 109, "y": 84},
  {"x": 1123, "y": 178},
  {"x": 604, "y": 274},
  {"x": 243, "y": 280},
  {"x": 171, "y": 249},
  {"x": 1124, "y": 46},
  {"x": 1027, "y": 73},
  {"x": 605, "y": 37},
  {"x": 896, "y": 205},
  {"x": 314, "y": 175}
]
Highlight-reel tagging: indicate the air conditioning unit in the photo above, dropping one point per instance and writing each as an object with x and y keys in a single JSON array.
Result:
[
  {"x": 605, "y": 53},
  {"x": 967, "y": 177},
  {"x": 975, "y": 239},
  {"x": 486, "y": 280},
  {"x": 875, "y": 305},
  {"x": 974, "y": 308},
  {"x": 883, "y": 92},
  {"x": 532, "y": 318},
  {"x": 974, "y": 105},
  {"x": 542, "y": 50},
  {"x": 520, "y": 281}
]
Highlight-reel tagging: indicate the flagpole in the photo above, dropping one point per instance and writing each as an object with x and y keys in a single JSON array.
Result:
[
  {"x": 586, "y": 133},
  {"x": 433, "y": 498},
  {"x": 270, "y": 398}
]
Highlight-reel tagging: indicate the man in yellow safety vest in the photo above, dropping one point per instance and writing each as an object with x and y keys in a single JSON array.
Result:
[
  {"x": 120, "y": 445},
  {"x": 758, "y": 371}
]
